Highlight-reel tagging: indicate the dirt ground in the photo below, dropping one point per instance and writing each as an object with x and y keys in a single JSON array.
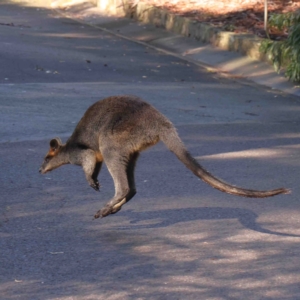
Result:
[{"x": 231, "y": 15}]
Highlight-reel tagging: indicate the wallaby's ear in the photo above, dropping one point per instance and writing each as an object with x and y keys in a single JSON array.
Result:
[{"x": 55, "y": 144}]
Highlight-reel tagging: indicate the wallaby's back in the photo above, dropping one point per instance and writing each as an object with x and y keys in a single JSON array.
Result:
[{"x": 123, "y": 121}]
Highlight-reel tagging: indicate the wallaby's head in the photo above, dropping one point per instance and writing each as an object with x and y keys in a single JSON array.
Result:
[{"x": 54, "y": 158}]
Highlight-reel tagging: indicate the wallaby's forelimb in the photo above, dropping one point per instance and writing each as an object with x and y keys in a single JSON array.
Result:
[
  {"x": 90, "y": 167},
  {"x": 95, "y": 174}
]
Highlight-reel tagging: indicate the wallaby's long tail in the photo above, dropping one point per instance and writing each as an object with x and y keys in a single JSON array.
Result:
[{"x": 174, "y": 144}]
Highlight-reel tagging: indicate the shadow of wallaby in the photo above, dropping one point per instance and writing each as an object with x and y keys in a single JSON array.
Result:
[{"x": 173, "y": 216}]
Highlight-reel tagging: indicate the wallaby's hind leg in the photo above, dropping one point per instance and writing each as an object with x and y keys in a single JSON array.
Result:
[
  {"x": 117, "y": 164},
  {"x": 131, "y": 182}
]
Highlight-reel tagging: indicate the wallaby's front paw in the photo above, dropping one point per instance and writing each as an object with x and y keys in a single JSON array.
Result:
[{"x": 95, "y": 185}]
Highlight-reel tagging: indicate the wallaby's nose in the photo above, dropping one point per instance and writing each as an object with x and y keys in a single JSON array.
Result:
[{"x": 40, "y": 170}]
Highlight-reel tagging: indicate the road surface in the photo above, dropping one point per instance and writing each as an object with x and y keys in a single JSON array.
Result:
[{"x": 178, "y": 238}]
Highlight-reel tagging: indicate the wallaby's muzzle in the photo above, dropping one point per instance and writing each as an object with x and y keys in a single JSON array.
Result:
[{"x": 42, "y": 171}]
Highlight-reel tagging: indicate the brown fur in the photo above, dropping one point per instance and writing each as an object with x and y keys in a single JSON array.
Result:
[{"x": 115, "y": 130}]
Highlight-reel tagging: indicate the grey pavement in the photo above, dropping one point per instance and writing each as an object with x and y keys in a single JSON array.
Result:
[
  {"x": 178, "y": 238},
  {"x": 214, "y": 59}
]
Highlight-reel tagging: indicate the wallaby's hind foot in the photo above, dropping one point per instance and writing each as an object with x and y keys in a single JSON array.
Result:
[
  {"x": 110, "y": 209},
  {"x": 118, "y": 206},
  {"x": 107, "y": 210},
  {"x": 103, "y": 212}
]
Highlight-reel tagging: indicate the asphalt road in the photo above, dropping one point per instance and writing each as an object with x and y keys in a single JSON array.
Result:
[{"x": 178, "y": 238}]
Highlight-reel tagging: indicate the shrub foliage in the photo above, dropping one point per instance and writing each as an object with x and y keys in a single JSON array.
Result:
[{"x": 287, "y": 52}]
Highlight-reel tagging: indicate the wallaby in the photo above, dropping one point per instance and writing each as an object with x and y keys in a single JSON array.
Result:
[{"x": 115, "y": 130}]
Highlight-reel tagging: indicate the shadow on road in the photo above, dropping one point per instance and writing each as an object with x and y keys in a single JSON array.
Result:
[{"x": 170, "y": 217}]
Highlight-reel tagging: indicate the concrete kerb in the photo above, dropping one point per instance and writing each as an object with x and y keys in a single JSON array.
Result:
[{"x": 243, "y": 43}]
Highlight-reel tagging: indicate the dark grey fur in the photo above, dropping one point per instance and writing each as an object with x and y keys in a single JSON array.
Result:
[{"x": 115, "y": 130}]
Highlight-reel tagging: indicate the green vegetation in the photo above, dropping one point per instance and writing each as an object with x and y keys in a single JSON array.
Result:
[{"x": 285, "y": 53}]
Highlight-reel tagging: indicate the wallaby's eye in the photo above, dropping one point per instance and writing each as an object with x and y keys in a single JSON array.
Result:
[{"x": 47, "y": 159}]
